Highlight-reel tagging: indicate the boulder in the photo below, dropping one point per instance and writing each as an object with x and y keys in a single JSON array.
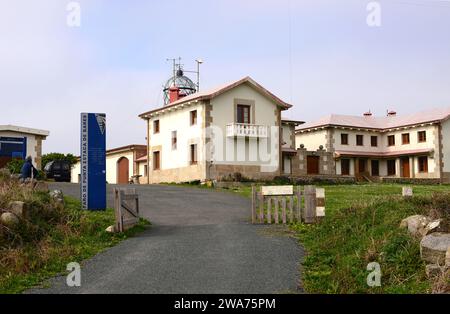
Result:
[
  {"x": 447, "y": 258},
  {"x": 433, "y": 271},
  {"x": 415, "y": 224},
  {"x": 18, "y": 208},
  {"x": 433, "y": 248},
  {"x": 41, "y": 186},
  {"x": 9, "y": 219},
  {"x": 111, "y": 229},
  {"x": 433, "y": 226},
  {"x": 57, "y": 196}
]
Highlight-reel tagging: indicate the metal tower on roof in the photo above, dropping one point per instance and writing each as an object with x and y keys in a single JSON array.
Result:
[{"x": 179, "y": 80}]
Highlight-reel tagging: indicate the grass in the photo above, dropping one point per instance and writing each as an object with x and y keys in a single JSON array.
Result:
[
  {"x": 50, "y": 238},
  {"x": 362, "y": 226}
]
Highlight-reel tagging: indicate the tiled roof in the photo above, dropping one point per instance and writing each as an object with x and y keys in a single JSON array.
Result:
[
  {"x": 385, "y": 154},
  {"x": 380, "y": 123},
  {"x": 209, "y": 94}
]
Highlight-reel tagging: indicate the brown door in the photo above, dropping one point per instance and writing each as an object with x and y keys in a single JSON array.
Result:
[
  {"x": 313, "y": 164},
  {"x": 123, "y": 176},
  {"x": 362, "y": 165},
  {"x": 375, "y": 168},
  {"x": 405, "y": 168}
]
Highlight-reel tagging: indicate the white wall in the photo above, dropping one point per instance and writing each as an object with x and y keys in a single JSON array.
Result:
[
  {"x": 287, "y": 130},
  {"x": 446, "y": 145},
  {"x": 180, "y": 121},
  {"x": 223, "y": 114},
  {"x": 311, "y": 140},
  {"x": 111, "y": 167}
]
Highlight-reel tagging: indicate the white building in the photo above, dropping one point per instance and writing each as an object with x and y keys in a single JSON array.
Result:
[
  {"x": 21, "y": 142},
  {"x": 121, "y": 164},
  {"x": 213, "y": 134},
  {"x": 410, "y": 146}
]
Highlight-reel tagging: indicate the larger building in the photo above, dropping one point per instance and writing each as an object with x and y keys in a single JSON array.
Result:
[
  {"x": 211, "y": 135},
  {"x": 413, "y": 146}
]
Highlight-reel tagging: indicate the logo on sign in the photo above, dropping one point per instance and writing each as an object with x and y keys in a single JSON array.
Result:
[{"x": 101, "y": 120}]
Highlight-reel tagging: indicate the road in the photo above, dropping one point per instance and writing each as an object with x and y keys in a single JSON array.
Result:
[{"x": 200, "y": 242}]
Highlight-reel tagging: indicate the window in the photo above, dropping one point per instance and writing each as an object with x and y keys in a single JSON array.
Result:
[
  {"x": 174, "y": 140},
  {"x": 193, "y": 154},
  {"x": 422, "y": 135},
  {"x": 145, "y": 171},
  {"x": 360, "y": 140},
  {"x": 156, "y": 161},
  {"x": 345, "y": 167},
  {"x": 391, "y": 140},
  {"x": 374, "y": 141},
  {"x": 156, "y": 127},
  {"x": 405, "y": 139},
  {"x": 423, "y": 164},
  {"x": 243, "y": 114},
  {"x": 194, "y": 117},
  {"x": 344, "y": 139},
  {"x": 391, "y": 167}
]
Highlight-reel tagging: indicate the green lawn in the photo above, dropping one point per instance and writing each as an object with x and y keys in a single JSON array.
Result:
[
  {"x": 362, "y": 226},
  {"x": 48, "y": 245}
]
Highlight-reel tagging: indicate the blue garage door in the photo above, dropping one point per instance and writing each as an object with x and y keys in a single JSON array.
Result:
[{"x": 12, "y": 147}]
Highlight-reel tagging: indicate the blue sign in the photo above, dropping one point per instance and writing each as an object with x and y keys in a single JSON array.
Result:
[
  {"x": 93, "y": 161},
  {"x": 13, "y": 147}
]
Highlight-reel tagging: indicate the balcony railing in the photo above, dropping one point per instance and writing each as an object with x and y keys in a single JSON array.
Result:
[{"x": 247, "y": 130}]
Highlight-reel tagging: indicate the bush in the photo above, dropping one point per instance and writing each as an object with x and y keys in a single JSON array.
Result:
[{"x": 15, "y": 165}]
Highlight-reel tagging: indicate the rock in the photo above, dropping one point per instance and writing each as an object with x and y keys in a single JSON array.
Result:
[
  {"x": 57, "y": 196},
  {"x": 433, "y": 271},
  {"x": 9, "y": 219},
  {"x": 415, "y": 224},
  {"x": 447, "y": 258},
  {"x": 434, "y": 226},
  {"x": 433, "y": 248},
  {"x": 41, "y": 186},
  {"x": 110, "y": 229},
  {"x": 18, "y": 208}
]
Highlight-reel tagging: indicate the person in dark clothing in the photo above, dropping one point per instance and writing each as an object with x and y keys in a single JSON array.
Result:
[{"x": 28, "y": 170}]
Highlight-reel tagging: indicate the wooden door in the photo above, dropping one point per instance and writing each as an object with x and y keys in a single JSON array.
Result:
[
  {"x": 405, "y": 168},
  {"x": 123, "y": 175},
  {"x": 361, "y": 165},
  {"x": 312, "y": 164},
  {"x": 375, "y": 168}
]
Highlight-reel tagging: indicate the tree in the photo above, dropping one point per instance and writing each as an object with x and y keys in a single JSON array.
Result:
[{"x": 58, "y": 156}]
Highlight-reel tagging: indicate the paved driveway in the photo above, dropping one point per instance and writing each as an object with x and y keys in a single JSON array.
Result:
[{"x": 200, "y": 242}]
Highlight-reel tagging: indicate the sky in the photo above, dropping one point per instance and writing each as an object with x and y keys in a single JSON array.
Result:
[{"x": 319, "y": 55}]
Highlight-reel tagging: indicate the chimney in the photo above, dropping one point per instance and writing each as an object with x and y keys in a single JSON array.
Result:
[
  {"x": 174, "y": 94},
  {"x": 391, "y": 113},
  {"x": 368, "y": 114}
]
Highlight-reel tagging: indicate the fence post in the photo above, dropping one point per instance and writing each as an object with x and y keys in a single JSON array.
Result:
[
  {"x": 283, "y": 204},
  {"x": 291, "y": 209},
  {"x": 269, "y": 211},
  {"x": 277, "y": 204},
  {"x": 253, "y": 204},
  {"x": 299, "y": 204},
  {"x": 310, "y": 204}
]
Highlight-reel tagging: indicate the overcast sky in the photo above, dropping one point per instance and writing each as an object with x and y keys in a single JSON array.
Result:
[{"x": 319, "y": 55}]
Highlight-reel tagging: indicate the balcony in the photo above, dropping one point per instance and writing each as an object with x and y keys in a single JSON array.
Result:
[{"x": 247, "y": 130}]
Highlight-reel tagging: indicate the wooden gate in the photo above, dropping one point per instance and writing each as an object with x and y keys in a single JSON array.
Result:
[
  {"x": 126, "y": 205},
  {"x": 283, "y": 204}
]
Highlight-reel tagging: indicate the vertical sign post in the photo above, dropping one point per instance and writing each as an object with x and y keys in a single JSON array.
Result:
[{"x": 93, "y": 161}]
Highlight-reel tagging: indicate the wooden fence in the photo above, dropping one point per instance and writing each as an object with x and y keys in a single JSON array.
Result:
[
  {"x": 284, "y": 204},
  {"x": 126, "y": 205}
]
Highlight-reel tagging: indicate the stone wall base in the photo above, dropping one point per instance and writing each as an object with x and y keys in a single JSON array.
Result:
[
  {"x": 178, "y": 175},
  {"x": 222, "y": 172}
]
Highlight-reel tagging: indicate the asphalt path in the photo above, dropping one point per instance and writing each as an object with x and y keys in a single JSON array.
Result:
[{"x": 200, "y": 242}]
